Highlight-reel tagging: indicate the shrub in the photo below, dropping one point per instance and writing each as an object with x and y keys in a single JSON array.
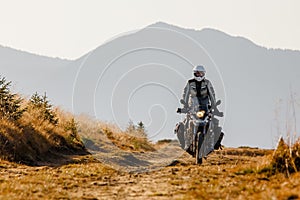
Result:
[
  {"x": 42, "y": 104},
  {"x": 10, "y": 103},
  {"x": 33, "y": 134},
  {"x": 136, "y": 130}
]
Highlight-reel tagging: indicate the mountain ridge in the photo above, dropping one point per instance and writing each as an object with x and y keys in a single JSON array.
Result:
[
  {"x": 158, "y": 25},
  {"x": 3, "y": 47},
  {"x": 223, "y": 33}
]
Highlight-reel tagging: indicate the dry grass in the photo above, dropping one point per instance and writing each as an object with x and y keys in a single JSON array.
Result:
[
  {"x": 65, "y": 182},
  {"x": 128, "y": 142},
  {"x": 96, "y": 132},
  {"x": 32, "y": 139},
  {"x": 221, "y": 176},
  {"x": 285, "y": 159}
]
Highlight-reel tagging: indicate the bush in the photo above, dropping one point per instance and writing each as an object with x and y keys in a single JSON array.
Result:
[
  {"x": 136, "y": 130},
  {"x": 42, "y": 104},
  {"x": 33, "y": 134},
  {"x": 10, "y": 103}
]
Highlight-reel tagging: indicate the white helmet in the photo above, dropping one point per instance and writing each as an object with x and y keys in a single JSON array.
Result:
[{"x": 199, "y": 72}]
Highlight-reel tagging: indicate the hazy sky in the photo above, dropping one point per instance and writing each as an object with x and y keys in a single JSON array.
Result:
[{"x": 70, "y": 28}]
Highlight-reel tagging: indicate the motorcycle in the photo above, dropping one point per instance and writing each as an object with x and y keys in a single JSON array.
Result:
[{"x": 199, "y": 134}]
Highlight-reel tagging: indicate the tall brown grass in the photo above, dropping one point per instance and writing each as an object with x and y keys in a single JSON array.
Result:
[
  {"x": 32, "y": 138},
  {"x": 126, "y": 141},
  {"x": 286, "y": 158},
  {"x": 92, "y": 130}
]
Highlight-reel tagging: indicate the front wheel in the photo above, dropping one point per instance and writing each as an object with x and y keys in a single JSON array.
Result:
[
  {"x": 198, "y": 142},
  {"x": 198, "y": 161}
]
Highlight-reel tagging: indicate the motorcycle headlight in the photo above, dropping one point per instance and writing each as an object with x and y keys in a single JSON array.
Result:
[{"x": 200, "y": 113}]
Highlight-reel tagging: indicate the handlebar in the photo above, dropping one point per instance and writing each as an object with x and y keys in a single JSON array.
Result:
[{"x": 214, "y": 110}]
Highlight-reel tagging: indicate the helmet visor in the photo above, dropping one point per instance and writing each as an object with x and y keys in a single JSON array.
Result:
[{"x": 199, "y": 74}]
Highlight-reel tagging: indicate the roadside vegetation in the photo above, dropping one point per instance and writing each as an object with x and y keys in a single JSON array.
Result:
[
  {"x": 285, "y": 159},
  {"x": 133, "y": 138},
  {"x": 33, "y": 130}
]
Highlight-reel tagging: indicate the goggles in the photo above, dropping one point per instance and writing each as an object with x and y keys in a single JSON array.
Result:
[{"x": 199, "y": 74}]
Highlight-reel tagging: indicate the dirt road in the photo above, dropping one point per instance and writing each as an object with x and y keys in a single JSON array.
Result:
[{"x": 228, "y": 174}]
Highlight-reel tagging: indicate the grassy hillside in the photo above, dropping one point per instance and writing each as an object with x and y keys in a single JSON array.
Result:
[
  {"x": 32, "y": 138},
  {"x": 33, "y": 131}
]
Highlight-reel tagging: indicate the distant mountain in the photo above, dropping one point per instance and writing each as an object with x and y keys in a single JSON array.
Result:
[
  {"x": 28, "y": 71},
  {"x": 140, "y": 76}
]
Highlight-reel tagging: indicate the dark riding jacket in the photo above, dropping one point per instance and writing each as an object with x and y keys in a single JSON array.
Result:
[{"x": 203, "y": 90}]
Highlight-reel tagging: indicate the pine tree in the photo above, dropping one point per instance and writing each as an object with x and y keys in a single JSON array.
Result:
[
  {"x": 43, "y": 104},
  {"x": 131, "y": 127},
  {"x": 136, "y": 130},
  {"x": 141, "y": 129},
  {"x": 10, "y": 103},
  {"x": 72, "y": 126}
]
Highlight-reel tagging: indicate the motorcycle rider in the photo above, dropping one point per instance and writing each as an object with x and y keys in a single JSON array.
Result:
[{"x": 198, "y": 91}]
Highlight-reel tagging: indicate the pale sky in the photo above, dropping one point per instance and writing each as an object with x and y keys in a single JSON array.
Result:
[{"x": 71, "y": 28}]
